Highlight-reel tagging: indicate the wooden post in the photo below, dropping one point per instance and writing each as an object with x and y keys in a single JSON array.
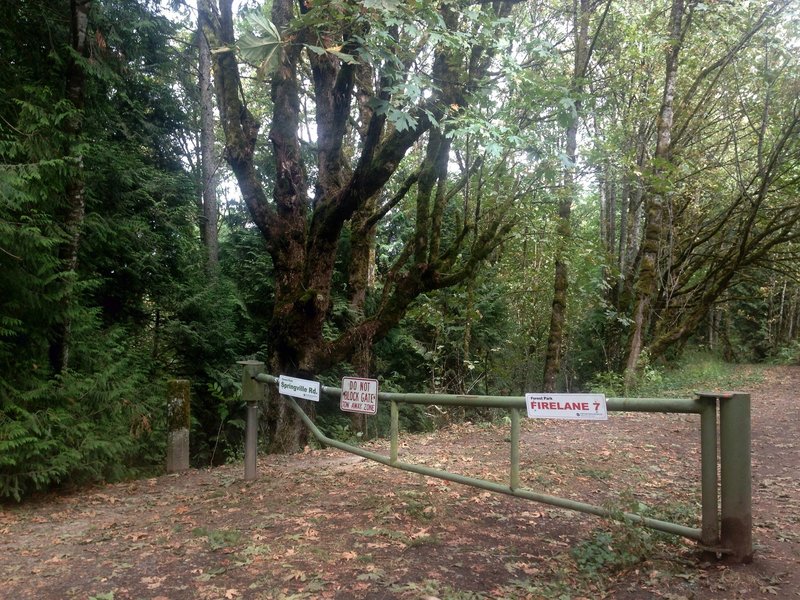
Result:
[{"x": 177, "y": 425}]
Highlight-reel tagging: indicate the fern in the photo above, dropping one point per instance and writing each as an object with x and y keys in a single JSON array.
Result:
[{"x": 98, "y": 425}]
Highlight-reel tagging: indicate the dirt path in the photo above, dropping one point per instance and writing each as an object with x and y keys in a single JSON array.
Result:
[{"x": 329, "y": 525}]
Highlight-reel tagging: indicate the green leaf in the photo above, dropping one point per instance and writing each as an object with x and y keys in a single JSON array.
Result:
[
  {"x": 401, "y": 120},
  {"x": 383, "y": 5},
  {"x": 262, "y": 47},
  {"x": 318, "y": 50},
  {"x": 566, "y": 162},
  {"x": 348, "y": 58}
]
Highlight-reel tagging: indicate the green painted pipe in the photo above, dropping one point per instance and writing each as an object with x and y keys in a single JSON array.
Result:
[
  {"x": 664, "y": 526},
  {"x": 660, "y": 405},
  {"x": 394, "y": 431},
  {"x": 657, "y": 405},
  {"x": 514, "y": 481},
  {"x": 708, "y": 473},
  {"x": 736, "y": 518}
]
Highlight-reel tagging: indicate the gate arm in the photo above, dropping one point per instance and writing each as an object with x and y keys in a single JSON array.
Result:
[{"x": 665, "y": 526}]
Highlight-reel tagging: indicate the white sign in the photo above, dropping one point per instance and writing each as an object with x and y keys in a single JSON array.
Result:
[
  {"x": 591, "y": 407},
  {"x": 299, "y": 388},
  {"x": 359, "y": 395}
]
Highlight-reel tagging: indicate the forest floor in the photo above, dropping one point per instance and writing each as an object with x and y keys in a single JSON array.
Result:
[{"x": 325, "y": 524}]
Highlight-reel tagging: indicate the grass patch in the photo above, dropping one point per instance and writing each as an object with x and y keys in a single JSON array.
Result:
[
  {"x": 417, "y": 505},
  {"x": 599, "y": 474},
  {"x": 699, "y": 371},
  {"x": 431, "y": 588},
  {"x": 621, "y": 544},
  {"x": 218, "y": 538},
  {"x": 695, "y": 371}
]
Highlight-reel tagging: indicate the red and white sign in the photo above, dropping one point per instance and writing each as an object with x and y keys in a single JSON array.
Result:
[
  {"x": 589, "y": 407},
  {"x": 359, "y": 395}
]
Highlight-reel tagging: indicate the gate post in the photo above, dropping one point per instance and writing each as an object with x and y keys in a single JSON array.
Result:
[
  {"x": 252, "y": 391},
  {"x": 736, "y": 534},
  {"x": 394, "y": 432},
  {"x": 514, "y": 479},
  {"x": 178, "y": 423},
  {"x": 708, "y": 470}
]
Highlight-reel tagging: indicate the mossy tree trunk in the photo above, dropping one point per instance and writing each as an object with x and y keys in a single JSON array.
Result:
[
  {"x": 647, "y": 280},
  {"x": 74, "y": 210},
  {"x": 208, "y": 163},
  {"x": 302, "y": 230},
  {"x": 558, "y": 313}
]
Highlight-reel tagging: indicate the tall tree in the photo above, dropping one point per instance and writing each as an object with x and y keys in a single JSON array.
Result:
[
  {"x": 581, "y": 15},
  {"x": 74, "y": 201},
  {"x": 329, "y": 40},
  {"x": 97, "y": 234},
  {"x": 647, "y": 280},
  {"x": 678, "y": 222},
  {"x": 208, "y": 163}
]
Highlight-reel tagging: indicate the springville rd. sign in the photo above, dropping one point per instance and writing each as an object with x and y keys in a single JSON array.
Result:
[
  {"x": 590, "y": 407},
  {"x": 299, "y": 388}
]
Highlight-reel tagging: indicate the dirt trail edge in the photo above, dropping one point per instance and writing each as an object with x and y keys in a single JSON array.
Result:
[{"x": 324, "y": 524}]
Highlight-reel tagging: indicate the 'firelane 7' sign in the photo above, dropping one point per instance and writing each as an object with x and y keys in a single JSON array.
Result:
[{"x": 590, "y": 407}]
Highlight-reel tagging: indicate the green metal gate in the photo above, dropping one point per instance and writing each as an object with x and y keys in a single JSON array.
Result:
[{"x": 726, "y": 514}]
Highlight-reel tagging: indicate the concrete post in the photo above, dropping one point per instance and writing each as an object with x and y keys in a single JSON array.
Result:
[
  {"x": 252, "y": 392},
  {"x": 736, "y": 531},
  {"x": 178, "y": 416}
]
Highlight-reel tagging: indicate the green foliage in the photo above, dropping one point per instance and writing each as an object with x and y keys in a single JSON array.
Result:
[
  {"x": 102, "y": 418},
  {"x": 78, "y": 428},
  {"x": 261, "y": 45},
  {"x": 788, "y": 354},
  {"x": 231, "y": 412},
  {"x": 218, "y": 538},
  {"x": 695, "y": 371},
  {"x": 609, "y": 383},
  {"x": 598, "y": 554},
  {"x": 338, "y": 427},
  {"x": 251, "y": 286},
  {"x": 698, "y": 371},
  {"x": 31, "y": 174},
  {"x": 623, "y": 544},
  {"x": 201, "y": 342},
  {"x": 457, "y": 332}
]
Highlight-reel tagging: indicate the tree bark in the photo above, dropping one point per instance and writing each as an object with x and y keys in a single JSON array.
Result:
[
  {"x": 558, "y": 313},
  {"x": 302, "y": 233},
  {"x": 360, "y": 280},
  {"x": 75, "y": 201},
  {"x": 647, "y": 282},
  {"x": 208, "y": 162}
]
